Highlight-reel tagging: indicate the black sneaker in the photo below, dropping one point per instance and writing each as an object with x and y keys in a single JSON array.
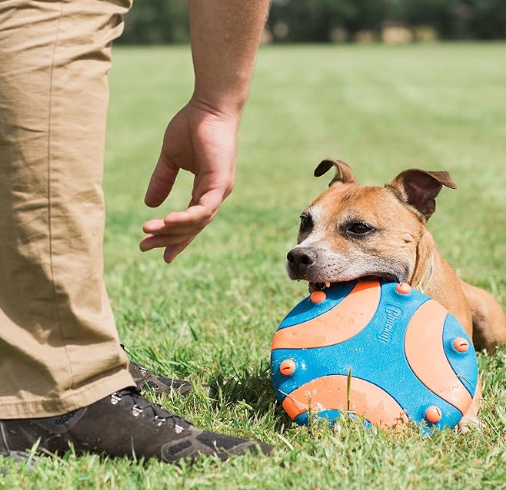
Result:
[
  {"x": 122, "y": 424},
  {"x": 160, "y": 385},
  {"x": 147, "y": 380}
]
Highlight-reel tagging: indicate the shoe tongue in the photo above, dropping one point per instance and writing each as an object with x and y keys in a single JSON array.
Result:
[{"x": 152, "y": 409}]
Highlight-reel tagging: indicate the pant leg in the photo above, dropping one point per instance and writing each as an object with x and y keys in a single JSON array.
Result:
[{"x": 59, "y": 347}]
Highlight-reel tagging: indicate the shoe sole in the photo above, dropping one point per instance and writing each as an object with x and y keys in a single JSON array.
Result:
[{"x": 21, "y": 457}]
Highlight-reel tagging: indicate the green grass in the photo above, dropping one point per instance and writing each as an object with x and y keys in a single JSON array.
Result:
[{"x": 210, "y": 316}]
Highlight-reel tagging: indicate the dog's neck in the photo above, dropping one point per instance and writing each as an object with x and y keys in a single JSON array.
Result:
[
  {"x": 424, "y": 266},
  {"x": 434, "y": 276},
  {"x": 424, "y": 283}
]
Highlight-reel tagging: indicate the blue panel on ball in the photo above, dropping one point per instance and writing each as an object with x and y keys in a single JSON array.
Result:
[
  {"x": 330, "y": 415},
  {"x": 307, "y": 310},
  {"x": 464, "y": 366}
]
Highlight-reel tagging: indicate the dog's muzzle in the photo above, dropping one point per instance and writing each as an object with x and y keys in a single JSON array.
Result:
[{"x": 300, "y": 261}]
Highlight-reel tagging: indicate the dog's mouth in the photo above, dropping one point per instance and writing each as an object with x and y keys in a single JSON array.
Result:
[{"x": 320, "y": 286}]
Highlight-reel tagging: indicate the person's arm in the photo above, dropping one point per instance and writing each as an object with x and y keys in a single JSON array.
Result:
[{"x": 202, "y": 137}]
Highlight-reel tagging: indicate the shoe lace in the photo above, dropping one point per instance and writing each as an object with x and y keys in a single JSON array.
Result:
[{"x": 141, "y": 406}]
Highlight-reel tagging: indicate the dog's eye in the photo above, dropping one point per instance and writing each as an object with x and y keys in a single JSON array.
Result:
[
  {"x": 359, "y": 228},
  {"x": 306, "y": 223}
]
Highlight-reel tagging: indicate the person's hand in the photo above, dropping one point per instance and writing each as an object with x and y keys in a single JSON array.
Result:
[{"x": 202, "y": 141}]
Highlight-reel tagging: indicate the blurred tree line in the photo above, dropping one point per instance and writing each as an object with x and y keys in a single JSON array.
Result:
[{"x": 166, "y": 21}]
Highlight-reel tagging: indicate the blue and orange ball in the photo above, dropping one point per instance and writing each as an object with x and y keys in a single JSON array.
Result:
[{"x": 380, "y": 350}]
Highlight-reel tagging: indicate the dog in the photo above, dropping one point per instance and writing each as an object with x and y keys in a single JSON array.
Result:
[{"x": 353, "y": 231}]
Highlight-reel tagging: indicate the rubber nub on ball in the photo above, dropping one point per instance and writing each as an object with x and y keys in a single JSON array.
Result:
[
  {"x": 460, "y": 344},
  {"x": 403, "y": 288},
  {"x": 318, "y": 296},
  {"x": 433, "y": 414},
  {"x": 287, "y": 367}
]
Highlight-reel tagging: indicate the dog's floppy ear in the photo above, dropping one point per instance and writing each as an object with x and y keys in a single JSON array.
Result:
[
  {"x": 419, "y": 188},
  {"x": 343, "y": 171}
]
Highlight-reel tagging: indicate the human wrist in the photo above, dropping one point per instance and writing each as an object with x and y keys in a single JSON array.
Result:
[{"x": 221, "y": 105}]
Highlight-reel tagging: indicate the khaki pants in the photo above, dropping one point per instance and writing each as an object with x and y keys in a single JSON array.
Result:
[{"x": 59, "y": 347}]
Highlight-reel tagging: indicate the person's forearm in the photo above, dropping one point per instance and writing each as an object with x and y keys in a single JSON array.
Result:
[{"x": 225, "y": 35}]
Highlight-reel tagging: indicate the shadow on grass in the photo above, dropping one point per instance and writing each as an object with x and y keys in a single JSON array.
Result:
[{"x": 253, "y": 387}]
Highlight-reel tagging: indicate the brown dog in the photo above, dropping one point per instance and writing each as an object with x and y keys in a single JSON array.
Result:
[{"x": 352, "y": 231}]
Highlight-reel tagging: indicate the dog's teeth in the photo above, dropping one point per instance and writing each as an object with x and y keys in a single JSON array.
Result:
[{"x": 327, "y": 284}]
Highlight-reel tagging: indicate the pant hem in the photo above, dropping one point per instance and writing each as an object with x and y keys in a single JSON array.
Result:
[{"x": 49, "y": 407}]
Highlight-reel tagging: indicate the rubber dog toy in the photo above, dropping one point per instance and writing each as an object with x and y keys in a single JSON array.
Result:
[{"x": 380, "y": 350}]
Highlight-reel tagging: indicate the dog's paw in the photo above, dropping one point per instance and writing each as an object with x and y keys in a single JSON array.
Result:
[{"x": 469, "y": 423}]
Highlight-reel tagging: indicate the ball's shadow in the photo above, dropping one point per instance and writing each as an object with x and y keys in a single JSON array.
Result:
[{"x": 253, "y": 387}]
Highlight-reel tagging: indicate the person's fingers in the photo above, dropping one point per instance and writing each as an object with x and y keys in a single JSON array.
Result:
[
  {"x": 153, "y": 226},
  {"x": 173, "y": 251},
  {"x": 190, "y": 218},
  {"x": 179, "y": 222},
  {"x": 158, "y": 227},
  {"x": 195, "y": 217},
  {"x": 161, "y": 182},
  {"x": 202, "y": 211},
  {"x": 177, "y": 230},
  {"x": 158, "y": 241}
]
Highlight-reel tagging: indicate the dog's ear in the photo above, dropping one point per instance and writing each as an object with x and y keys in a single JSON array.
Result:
[
  {"x": 419, "y": 188},
  {"x": 343, "y": 171}
]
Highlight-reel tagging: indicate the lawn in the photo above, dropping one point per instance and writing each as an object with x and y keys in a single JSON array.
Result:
[{"x": 210, "y": 316}]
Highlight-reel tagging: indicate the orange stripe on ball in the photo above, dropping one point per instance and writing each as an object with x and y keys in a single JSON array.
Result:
[
  {"x": 426, "y": 356},
  {"x": 331, "y": 393},
  {"x": 341, "y": 323}
]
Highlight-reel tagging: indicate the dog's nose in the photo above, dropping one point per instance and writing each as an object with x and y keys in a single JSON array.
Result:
[{"x": 301, "y": 258}]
